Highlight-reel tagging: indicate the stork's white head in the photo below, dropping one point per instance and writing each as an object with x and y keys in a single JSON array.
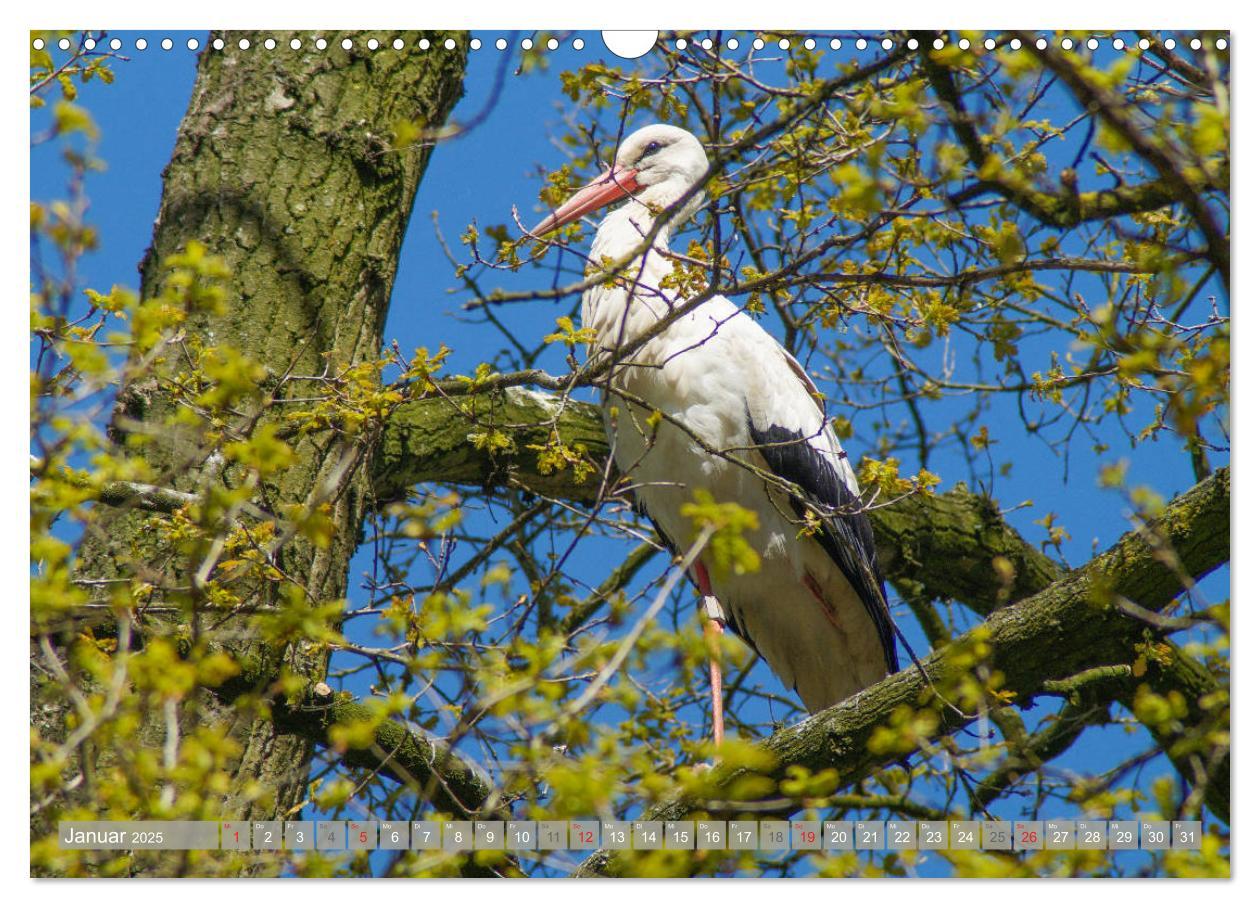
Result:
[{"x": 656, "y": 166}]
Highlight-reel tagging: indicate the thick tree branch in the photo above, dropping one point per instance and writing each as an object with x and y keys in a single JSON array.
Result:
[
  {"x": 1067, "y": 628},
  {"x": 934, "y": 547}
]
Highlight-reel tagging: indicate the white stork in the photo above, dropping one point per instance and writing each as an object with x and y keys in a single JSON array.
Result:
[{"x": 816, "y": 610}]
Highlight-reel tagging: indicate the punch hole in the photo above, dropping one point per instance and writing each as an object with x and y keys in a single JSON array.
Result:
[
  {"x": 861, "y": 44},
  {"x": 629, "y": 45},
  {"x": 449, "y": 43},
  {"x": 475, "y": 44}
]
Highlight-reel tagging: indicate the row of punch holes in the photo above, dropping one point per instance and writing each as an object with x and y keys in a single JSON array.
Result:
[{"x": 502, "y": 44}]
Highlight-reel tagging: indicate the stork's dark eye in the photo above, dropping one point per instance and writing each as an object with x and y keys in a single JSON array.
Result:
[{"x": 650, "y": 149}]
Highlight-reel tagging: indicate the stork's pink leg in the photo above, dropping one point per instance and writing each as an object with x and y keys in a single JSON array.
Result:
[{"x": 712, "y": 634}]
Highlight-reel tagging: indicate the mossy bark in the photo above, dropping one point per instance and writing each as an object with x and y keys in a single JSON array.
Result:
[{"x": 283, "y": 167}]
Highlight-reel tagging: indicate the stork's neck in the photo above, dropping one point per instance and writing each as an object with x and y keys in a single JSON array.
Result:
[{"x": 619, "y": 314}]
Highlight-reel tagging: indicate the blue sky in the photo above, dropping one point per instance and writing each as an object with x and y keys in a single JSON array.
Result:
[{"x": 480, "y": 177}]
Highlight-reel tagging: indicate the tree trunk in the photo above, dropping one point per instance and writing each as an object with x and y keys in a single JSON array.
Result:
[{"x": 284, "y": 168}]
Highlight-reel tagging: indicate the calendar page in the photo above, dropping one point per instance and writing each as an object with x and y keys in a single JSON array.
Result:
[{"x": 706, "y": 453}]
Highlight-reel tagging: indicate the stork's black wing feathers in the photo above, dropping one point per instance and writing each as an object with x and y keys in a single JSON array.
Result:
[{"x": 846, "y": 535}]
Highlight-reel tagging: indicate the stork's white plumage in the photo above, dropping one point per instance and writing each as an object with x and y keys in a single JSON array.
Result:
[{"x": 816, "y": 609}]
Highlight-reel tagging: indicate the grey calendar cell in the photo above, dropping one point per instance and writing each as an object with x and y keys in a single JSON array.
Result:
[
  {"x": 553, "y": 835},
  {"x": 1091, "y": 835},
  {"x": 711, "y": 835},
  {"x": 806, "y": 835},
  {"x": 583, "y": 835},
  {"x": 1030, "y": 835},
  {"x": 933, "y": 835},
  {"x": 1156, "y": 835},
  {"x": 964, "y": 835},
  {"x": 330, "y": 835},
  {"x": 1187, "y": 835},
  {"x": 741, "y": 835},
  {"x": 868, "y": 834},
  {"x": 488, "y": 835},
  {"x": 266, "y": 835},
  {"x": 426, "y": 835},
  {"x": 1060, "y": 835},
  {"x": 838, "y": 835},
  {"x": 522, "y": 835},
  {"x": 299, "y": 835},
  {"x": 680, "y": 835},
  {"x": 774, "y": 835},
  {"x": 457, "y": 835},
  {"x": 1122, "y": 835},
  {"x": 361, "y": 835},
  {"x": 902, "y": 835},
  {"x": 648, "y": 835},
  {"x": 234, "y": 835},
  {"x": 394, "y": 835},
  {"x": 617, "y": 835},
  {"x": 995, "y": 835}
]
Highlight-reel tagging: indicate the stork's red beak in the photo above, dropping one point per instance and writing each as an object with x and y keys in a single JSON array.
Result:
[{"x": 611, "y": 186}]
